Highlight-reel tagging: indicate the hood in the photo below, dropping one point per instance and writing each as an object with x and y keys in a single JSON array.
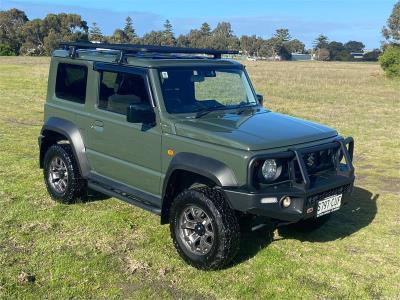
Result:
[{"x": 256, "y": 131}]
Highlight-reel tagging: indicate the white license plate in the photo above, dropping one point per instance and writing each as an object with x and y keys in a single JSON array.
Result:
[{"x": 329, "y": 205}]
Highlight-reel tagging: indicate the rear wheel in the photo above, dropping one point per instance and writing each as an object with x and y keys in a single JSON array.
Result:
[
  {"x": 204, "y": 228},
  {"x": 61, "y": 174}
]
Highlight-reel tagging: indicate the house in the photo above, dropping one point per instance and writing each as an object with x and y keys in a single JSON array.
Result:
[
  {"x": 301, "y": 56},
  {"x": 357, "y": 55}
]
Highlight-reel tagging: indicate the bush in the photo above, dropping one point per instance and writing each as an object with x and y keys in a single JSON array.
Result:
[
  {"x": 343, "y": 55},
  {"x": 390, "y": 61},
  {"x": 373, "y": 55},
  {"x": 6, "y": 50}
]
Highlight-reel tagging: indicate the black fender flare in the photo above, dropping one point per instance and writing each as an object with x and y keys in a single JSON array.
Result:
[
  {"x": 213, "y": 169},
  {"x": 72, "y": 133}
]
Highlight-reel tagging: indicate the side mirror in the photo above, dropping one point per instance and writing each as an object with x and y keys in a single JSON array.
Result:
[
  {"x": 140, "y": 113},
  {"x": 260, "y": 99}
]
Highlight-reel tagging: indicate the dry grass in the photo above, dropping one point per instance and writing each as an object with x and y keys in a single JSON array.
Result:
[{"x": 108, "y": 249}]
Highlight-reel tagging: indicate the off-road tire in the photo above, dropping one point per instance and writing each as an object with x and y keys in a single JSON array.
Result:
[
  {"x": 76, "y": 187},
  {"x": 223, "y": 218}
]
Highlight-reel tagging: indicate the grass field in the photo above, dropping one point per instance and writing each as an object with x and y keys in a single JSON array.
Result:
[{"x": 108, "y": 249}]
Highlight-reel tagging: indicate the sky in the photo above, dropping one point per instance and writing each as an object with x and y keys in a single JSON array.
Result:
[{"x": 340, "y": 20}]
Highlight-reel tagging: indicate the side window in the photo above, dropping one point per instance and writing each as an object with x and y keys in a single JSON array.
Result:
[
  {"x": 119, "y": 90},
  {"x": 71, "y": 82}
]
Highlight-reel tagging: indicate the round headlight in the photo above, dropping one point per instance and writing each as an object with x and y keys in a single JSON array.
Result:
[{"x": 269, "y": 169}]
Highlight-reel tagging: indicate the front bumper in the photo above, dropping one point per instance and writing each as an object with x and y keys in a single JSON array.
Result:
[{"x": 305, "y": 195}]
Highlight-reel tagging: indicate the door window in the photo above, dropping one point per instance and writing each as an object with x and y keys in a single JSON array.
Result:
[{"x": 119, "y": 90}]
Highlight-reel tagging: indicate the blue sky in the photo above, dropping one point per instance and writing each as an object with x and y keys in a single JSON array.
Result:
[{"x": 340, "y": 20}]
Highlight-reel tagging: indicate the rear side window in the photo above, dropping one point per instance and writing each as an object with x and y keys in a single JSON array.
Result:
[
  {"x": 119, "y": 90},
  {"x": 71, "y": 82}
]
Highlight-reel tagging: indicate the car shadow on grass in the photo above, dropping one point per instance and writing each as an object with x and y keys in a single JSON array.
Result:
[
  {"x": 93, "y": 196},
  {"x": 357, "y": 214}
]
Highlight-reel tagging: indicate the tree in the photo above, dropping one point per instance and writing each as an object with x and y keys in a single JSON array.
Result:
[
  {"x": 11, "y": 22},
  {"x": 354, "y": 46},
  {"x": 250, "y": 45},
  {"x": 153, "y": 38},
  {"x": 284, "y": 53},
  {"x": 322, "y": 54},
  {"x": 129, "y": 31},
  {"x": 343, "y": 55},
  {"x": 267, "y": 48},
  {"x": 390, "y": 60},
  {"x": 6, "y": 50},
  {"x": 41, "y": 37},
  {"x": 95, "y": 33},
  {"x": 392, "y": 30},
  {"x": 119, "y": 37},
  {"x": 205, "y": 29},
  {"x": 222, "y": 37},
  {"x": 183, "y": 41},
  {"x": 282, "y": 35},
  {"x": 168, "y": 35},
  {"x": 337, "y": 51},
  {"x": 320, "y": 42},
  {"x": 295, "y": 46}
]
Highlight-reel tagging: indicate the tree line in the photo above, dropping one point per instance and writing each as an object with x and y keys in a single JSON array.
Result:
[{"x": 21, "y": 36}]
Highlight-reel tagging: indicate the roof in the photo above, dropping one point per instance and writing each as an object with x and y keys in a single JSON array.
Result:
[{"x": 144, "y": 56}]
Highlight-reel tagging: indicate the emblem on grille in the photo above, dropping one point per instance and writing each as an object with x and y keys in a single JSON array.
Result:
[{"x": 310, "y": 160}]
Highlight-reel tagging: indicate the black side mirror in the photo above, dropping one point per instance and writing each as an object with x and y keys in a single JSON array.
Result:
[
  {"x": 260, "y": 99},
  {"x": 140, "y": 113}
]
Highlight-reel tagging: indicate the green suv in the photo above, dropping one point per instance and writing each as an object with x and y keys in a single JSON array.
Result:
[{"x": 181, "y": 132}]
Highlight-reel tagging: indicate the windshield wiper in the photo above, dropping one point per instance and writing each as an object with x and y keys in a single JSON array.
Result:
[
  {"x": 204, "y": 111},
  {"x": 243, "y": 108}
]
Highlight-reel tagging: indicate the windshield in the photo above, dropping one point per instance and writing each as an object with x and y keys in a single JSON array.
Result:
[{"x": 200, "y": 89}]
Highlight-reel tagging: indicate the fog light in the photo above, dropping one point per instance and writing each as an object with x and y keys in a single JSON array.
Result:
[{"x": 286, "y": 201}]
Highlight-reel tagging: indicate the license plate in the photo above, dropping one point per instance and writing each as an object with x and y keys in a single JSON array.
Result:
[{"x": 329, "y": 205}]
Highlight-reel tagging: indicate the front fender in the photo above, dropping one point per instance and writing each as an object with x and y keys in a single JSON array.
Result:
[
  {"x": 208, "y": 167},
  {"x": 72, "y": 133}
]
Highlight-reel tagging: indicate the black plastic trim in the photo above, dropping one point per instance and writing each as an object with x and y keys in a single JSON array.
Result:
[
  {"x": 294, "y": 155},
  {"x": 210, "y": 168},
  {"x": 131, "y": 199},
  {"x": 121, "y": 189},
  {"x": 131, "y": 48},
  {"x": 244, "y": 201},
  {"x": 72, "y": 133}
]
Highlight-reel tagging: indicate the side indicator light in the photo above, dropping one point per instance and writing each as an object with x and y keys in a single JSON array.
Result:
[{"x": 170, "y": 152}]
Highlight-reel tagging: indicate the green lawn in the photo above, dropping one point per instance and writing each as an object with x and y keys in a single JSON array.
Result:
[{"x": 108, "y": 249}]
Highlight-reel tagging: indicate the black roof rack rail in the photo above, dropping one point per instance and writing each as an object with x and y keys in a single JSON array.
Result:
[{"x": 124, "y": 49}]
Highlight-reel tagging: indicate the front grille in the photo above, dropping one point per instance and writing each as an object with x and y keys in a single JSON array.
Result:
[
  {"x": 312, "y": 200},
  {"x": 319, "y": 160}
]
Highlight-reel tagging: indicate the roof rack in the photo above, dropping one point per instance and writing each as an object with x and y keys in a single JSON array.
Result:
[{"x": 125, "y": 49}]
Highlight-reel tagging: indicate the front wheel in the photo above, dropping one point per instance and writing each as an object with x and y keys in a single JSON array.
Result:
[
  {"x": 61, "y": 174},
  {"x": 204, "y": 228}
]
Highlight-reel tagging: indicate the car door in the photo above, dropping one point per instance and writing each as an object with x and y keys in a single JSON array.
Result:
[{"x": 126, "y": 152}]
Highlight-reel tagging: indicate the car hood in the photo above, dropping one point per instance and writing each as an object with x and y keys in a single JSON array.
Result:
[{"x": 252, "y": 131}]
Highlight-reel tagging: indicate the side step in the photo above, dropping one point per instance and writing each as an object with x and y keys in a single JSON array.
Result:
[{"x": 131, "y": 199}]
